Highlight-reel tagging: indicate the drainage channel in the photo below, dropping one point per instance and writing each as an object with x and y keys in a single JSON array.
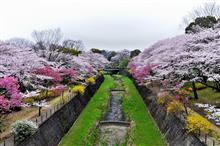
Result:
[{"x": 114, "y": 127}]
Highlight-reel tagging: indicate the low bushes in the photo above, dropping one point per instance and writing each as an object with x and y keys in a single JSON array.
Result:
[
  {"x": 175, "y": 107},
  {"x": 90, "y": 80},
  {"x": 44, "y": 95},
  {"x": 164, "y": 98},
  {"x": 196, "y": 124},
  {"x": 175, "y": 102},
  {"x": 80, "y": 89},
  {"x": 23, "y": 129}
]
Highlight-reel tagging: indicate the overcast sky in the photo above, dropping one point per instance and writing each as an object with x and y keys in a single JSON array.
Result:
[{"x": 105, "y": 24}]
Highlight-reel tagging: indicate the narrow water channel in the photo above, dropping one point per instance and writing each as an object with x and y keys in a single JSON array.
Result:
[
  {"x": 113, "y": 126},
  {"x": 114, "y": 112}
]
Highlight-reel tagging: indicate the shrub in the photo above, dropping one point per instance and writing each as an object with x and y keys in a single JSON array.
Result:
[
  {"x": 39, "y": 97},
  {"x": 29, "y": 100},
  {"x": 164, "y": 97},
  {"x": 42, "y": 95},
  {"x": 23, "y": 129},
  {"x": 196, "y": 123},
  {"x": 46, "y": 94},
  {"x": 90, "y": 80},
  {"x": 101, "y": 72},
  {"x": 80, "y": 89},
  {"x": 175, "y": 107}
]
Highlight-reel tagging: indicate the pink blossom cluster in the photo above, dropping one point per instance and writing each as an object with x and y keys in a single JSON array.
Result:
[
  {"x": 68, "y": 72},
  {"x": 178, "y": 95},
  {"x": 48, "y": 71},
  {"x": 163, "y": 94},
  {"x": 57, "y": 90},
  {"x": 139, "y": 73},
  {"x": 10, "y": 97}
]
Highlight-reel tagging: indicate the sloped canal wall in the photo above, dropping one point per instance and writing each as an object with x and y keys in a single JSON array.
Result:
[
  {"x": 54, "y": 128},
  {"x": 170, "y": 126}
]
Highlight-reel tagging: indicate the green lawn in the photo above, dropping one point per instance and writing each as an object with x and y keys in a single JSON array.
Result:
[
  {"x": 83, "y": 131},
  {"x": 206, "y": 95},
  {"x": 144, "y": 131}
]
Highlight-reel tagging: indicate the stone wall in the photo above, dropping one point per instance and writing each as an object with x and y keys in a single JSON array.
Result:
[
  {"x": 170, "y": 126},
  {"x": 54, "y": 128}
]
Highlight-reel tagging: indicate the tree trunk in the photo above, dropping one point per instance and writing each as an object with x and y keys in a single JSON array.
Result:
[{"x": 194, "y": 90}]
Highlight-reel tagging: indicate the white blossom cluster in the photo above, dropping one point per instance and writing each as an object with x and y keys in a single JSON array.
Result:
[
  {"x": 120, "y": 55},
  {"x": 175, "y": 56},
  {"x": 213, "y": 112}
]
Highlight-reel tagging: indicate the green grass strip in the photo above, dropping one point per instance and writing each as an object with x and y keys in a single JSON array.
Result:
[
  {"x": 144, "y": 131},
  {"x": 89, "y": 116}
]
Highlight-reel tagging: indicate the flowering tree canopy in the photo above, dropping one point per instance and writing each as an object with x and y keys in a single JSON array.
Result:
[
  {"x": 18, "y": 61},
  {"x": 47, "y": 71},
  {"x": 27, "y": 67},
  {"x": 120, "y": 55},
  {"x": 175, "y": 56}
]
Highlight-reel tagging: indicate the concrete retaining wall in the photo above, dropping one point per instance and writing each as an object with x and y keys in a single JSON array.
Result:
[
  {"x": 53, "y": 129},
  {"x": 170, "y": 126}
]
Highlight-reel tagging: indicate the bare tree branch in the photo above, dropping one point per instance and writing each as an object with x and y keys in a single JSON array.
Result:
[
  {"x": 74, "y": 44},
  {"x": 47, "y": 37},
  {"x": 207, "y": 9}
]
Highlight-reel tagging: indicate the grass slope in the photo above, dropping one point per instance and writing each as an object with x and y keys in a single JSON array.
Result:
[
  {"x": 145, "y": 131},
  {"x": 90, "y": 115}
]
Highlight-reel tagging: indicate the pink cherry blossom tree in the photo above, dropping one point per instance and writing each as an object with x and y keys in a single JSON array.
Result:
[
  {"x": 68, "y": 74},
  {"x": 48, "y": 71},
  {"x": 10, "y": 97}
]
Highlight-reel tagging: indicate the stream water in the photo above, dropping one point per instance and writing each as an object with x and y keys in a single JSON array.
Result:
[
  {"x": 113, "y": 126},
  {"x": 114, "y": 112}
]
